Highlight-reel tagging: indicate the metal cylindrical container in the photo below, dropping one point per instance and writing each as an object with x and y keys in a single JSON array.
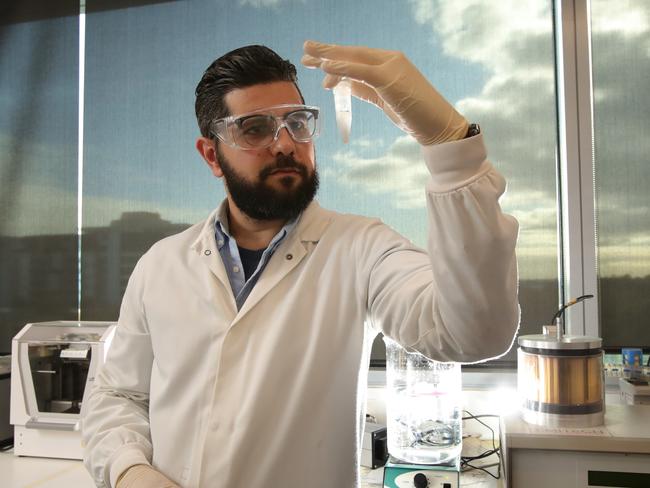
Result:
[{"x": 561, "y": 381}]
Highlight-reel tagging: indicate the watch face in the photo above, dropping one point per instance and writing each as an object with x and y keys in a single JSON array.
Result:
[{"x": 473, "y": 130}]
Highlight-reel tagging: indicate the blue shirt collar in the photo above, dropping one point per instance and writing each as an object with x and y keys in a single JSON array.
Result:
[{"x": 222, "y": 228}]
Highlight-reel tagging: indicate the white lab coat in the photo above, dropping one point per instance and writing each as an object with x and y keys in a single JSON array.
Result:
[{"x": 273, "y": 395}]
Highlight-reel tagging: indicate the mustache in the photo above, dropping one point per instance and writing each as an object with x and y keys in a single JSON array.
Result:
[{"x": 283, "y": 161}]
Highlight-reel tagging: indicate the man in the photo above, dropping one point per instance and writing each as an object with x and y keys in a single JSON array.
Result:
[{"x": 242, "y": 346}]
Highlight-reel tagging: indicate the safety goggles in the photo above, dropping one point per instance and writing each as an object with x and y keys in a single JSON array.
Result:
[{"x": 260, "y": 129}]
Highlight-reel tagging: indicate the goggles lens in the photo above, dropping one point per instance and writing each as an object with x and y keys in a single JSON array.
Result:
[{"x": 259, "y": 130}]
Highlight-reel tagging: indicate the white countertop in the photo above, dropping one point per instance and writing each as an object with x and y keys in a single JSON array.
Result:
[
  {"x": 32, "y": 472},
  {"x": 626, "y": 430}
]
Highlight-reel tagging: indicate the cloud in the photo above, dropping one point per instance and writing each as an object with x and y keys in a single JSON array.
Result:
[
  {"x": 631, "y": 21},
  {"x": 41, "y": 209},
  {"x": 366, "y": 142},
  {"x": 399, "y": 171},
  {"x": 486, "y": 32},
  {"x": 101, "y": 211},
  {"x": 512, "y": 42},
  {"x": 517, "y": 104},
  {"x": 55, "y": 211},
  {"x": 400, "y": 174},
  {"x": 41, "y": 196}
]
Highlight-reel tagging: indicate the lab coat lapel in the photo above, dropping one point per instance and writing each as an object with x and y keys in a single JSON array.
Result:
[
  {"x": 215, "y": 263},
  {"x": 285, "y": 258},
  {"x": 288, "y": 255},
  {"x": 206, "y": 247}
]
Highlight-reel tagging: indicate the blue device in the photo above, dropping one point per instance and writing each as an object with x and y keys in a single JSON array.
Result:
[{"x": 398, "y": 474}]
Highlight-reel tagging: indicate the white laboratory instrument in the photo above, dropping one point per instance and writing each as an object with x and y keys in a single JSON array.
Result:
[
  {"x": 373, "y": 448},
  {"x": 53, "y": 368},
  {"x": 6, "y": 432},
  {"x": 634, "y": 391},
  {"x": 343, "y": 107},
  {"x": 614, "y": 454}
]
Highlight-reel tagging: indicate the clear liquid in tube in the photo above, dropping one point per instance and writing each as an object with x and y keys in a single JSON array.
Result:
[
  {"x": 343, "y": 107},
  {"x": 344, "y": 123}
]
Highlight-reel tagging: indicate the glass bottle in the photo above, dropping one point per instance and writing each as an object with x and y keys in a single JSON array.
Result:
[{"x": 423, "y": 407}]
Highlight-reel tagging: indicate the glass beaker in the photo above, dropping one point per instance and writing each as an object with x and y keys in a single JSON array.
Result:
[{"x": 423, "y": 407}]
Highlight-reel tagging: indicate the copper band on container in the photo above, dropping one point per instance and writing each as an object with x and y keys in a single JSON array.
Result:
[{"x": 562, "y": 380}]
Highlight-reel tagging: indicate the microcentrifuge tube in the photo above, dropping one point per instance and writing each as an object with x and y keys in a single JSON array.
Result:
[{"x": 343, "y": 107}]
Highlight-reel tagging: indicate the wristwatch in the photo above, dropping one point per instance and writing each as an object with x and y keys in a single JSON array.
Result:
[{"x": 473, "y": 130}]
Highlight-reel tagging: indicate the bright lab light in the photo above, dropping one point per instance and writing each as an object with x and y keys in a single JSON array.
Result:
[{"x": 506, "y": 400}]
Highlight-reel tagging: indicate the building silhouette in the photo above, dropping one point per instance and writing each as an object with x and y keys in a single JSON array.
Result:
[
  {"x": 40, "y": 273},
  {"x": 39, "y": 280}
]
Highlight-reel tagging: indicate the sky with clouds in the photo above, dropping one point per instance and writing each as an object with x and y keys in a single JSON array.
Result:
[{"x": 493, "y": 60}]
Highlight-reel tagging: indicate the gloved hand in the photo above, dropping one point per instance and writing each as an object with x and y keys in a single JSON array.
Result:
[
  {"x": 144, "y": 476},
  {"x": 388, "y": 80}
]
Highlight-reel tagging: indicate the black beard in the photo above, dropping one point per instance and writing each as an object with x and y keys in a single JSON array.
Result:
[{"x": 262, "y": 202}]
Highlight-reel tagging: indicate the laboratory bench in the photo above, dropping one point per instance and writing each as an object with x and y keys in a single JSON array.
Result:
[
  {"x": 536, "y": 456},
  {"x": 614, "y": 454},
  {"x": 33, "y": 472}
]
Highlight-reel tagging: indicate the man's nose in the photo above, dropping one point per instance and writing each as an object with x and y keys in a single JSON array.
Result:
[{"x": 284, "y": 144}]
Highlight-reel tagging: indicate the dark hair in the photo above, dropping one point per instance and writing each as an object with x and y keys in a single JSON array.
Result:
[{"x": 241, "y": 68}]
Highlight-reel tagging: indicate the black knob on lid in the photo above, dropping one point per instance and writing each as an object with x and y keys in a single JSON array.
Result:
[{"x": 420, "y": 481}]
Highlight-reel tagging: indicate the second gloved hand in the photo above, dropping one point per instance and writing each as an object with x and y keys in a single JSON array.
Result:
[
  {"x": 144, "y": 476},
  {"x": 390, "y": 81}
]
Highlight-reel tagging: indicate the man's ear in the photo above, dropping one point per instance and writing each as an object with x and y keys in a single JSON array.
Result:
[{"x": 208, "y": 150}]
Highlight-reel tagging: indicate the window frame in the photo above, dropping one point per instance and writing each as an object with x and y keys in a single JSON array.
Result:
[{"x": 576, "y": 200}]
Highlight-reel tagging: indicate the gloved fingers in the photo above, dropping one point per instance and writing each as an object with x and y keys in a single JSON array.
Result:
[
  {"x": 366, "y": 93},
  {"x": 335, "y": 70},
  {"x": 358, "y": 54},
  {"x": 367, "y": 73},
  {"x": 311, "y": 62},
  {"x": 357, "y": 88},
  {"x": 390, "y": 81},
  {"x": 330, "y": 81}
]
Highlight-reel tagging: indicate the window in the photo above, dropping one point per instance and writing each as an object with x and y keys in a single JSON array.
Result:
[
  {"x": 620, "y": 34},
  {"x": 39, "y": 45},
  {"x": 142, "y": 65},
  {"x": 502, "y": 64}
]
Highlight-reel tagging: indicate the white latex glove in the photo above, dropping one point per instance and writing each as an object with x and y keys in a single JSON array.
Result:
[
  {"x": 144, "y": 476},
  {"x": 388, "y": 80}
]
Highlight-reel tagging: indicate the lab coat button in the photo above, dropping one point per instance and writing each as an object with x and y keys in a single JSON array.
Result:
[
  {"x": 289, "y": 256},
  {"x": 207, "y": 252}
]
